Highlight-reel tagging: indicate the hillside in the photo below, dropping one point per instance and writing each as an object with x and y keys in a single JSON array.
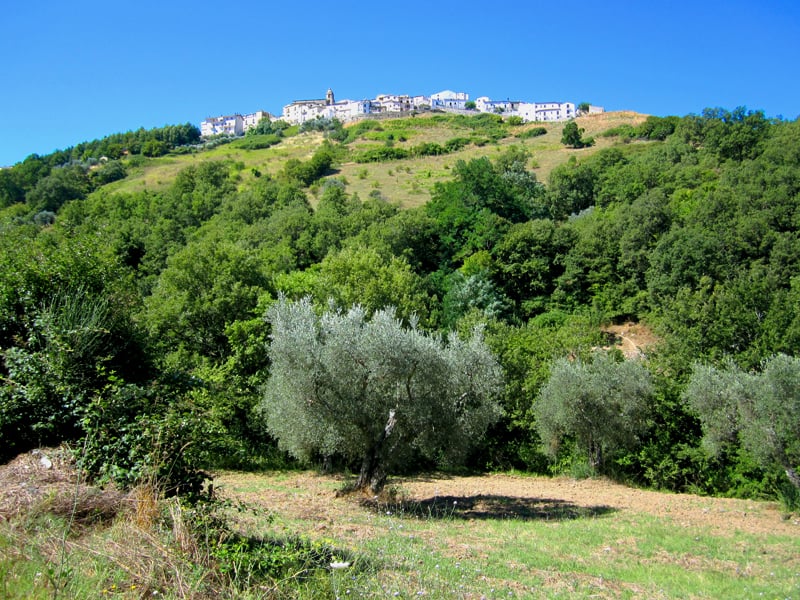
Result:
[
  {"x": 142, "y": 287},
  {"x": 392, "y": 298},
  {"x": 407, "y": 181}
]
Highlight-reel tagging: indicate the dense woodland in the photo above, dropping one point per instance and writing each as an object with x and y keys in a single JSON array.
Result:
[{"x": 134, "y": 326}]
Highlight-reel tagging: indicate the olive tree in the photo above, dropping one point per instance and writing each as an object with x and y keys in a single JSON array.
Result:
[
  {"x": 600, "y": 404},
  {"x": 572, "y": 136},
  {"x": 373, "y": 390},
  {"x": 761, "y": 411}
]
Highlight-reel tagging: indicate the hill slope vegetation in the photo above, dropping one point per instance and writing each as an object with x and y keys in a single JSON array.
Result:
[{"x": 134, "y": 289}]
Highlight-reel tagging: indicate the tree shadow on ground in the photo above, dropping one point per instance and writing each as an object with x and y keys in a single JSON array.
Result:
[{"x": 488, "y": 506}]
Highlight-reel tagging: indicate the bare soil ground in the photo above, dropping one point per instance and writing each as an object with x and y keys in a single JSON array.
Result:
[
  {"x": 316, "y": 498},
  {"x": 632, "y": 339},
  {"x": 47, "y": 480}
]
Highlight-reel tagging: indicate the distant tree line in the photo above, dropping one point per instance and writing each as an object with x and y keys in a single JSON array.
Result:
[{"x": 16, "y": 182}]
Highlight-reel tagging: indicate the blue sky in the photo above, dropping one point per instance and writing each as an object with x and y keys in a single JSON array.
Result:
[{"x": 76, "y": 71}]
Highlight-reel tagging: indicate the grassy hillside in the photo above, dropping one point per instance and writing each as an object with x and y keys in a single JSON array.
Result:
[{"x": 407, "y": 181}]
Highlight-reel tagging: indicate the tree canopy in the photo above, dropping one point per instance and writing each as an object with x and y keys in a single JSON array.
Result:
[{"x": 374, "y": 391}]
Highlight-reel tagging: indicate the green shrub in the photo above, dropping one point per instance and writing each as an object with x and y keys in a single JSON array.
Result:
[
  {"x": 381, "y": 154},
  {"x": 456, "y": 144},
  {"x": 257, "y": 142},
  {"x": 531, "y": 133},
  {"x": 428, "y": 149}
]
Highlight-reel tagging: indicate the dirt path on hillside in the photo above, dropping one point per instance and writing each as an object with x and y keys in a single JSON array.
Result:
[{"x": 632, "y": 339}]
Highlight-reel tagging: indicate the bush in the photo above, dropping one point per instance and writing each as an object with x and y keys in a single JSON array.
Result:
[
  {"x": 111, "y": 171},
  {"x": 456, "y": 144},
  {"x": 531, "y": 133},
  {"x": 428, "y": 149},
  {"x": 258, "y": 142},
  {"x": 154, "y": 433},
  {"x": 381, "y": 154}
]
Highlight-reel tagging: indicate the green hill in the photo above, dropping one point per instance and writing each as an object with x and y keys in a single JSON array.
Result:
[
  {"x": 407, "y": 181},
  {"x": 628, "y": 308},
  {"x": 136, "y": 287}
]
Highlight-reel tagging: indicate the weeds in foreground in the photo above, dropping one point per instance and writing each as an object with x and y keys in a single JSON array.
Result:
[{"x": 151, "y": 546}]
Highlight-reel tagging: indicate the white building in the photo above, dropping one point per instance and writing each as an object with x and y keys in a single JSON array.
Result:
[
  {"x": 227, "y": 125},
  {"x": 232, "y": 124},
  {"x": 546, "y": 111},
  {"x": 253, "y": 119},
  {"x": 300, "y": 111},
  {"x": 420, "y": 102},
  {"x": 449, "y": 99},
  {"x": 506, "y": 107},
  {"x": 392, "y": 103},
  {"x": 347, "y": 110}
]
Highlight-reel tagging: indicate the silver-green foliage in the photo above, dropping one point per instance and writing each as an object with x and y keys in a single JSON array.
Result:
[
  {"x": 602, "y": 405},
  {"x": 759, "y": 410},
  {"x": 373, "y": 390}
]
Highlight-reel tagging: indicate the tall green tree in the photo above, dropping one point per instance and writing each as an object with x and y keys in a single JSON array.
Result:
[
  {"x": 374, "y": 391},
  {"x": 572, "y": 136}
]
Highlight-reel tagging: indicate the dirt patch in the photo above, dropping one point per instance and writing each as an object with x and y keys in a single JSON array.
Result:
[
  {"x": 47, "y": 480},
  {"x": 632, "y": 339},
  {"x": 597, "y": 123},
  {"x": 307, "y": 496}
]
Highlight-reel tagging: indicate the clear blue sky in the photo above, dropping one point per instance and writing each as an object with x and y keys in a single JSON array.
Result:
[{"x": 77, "y": 71}]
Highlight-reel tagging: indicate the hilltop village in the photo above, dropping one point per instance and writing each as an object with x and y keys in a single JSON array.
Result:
[{"x": 301, "y": 111}]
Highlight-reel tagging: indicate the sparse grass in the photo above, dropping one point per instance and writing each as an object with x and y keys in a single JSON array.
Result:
[
  {"x": 476, "y": 537},
  {"x": 509, "y": 546},
  {"x": 411, "y": 179}
]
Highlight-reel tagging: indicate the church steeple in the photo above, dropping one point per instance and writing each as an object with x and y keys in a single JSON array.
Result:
[{"x": 329, "y": 97}]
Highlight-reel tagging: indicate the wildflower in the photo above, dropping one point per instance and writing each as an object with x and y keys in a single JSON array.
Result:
[{"x": 339, "y": 565}]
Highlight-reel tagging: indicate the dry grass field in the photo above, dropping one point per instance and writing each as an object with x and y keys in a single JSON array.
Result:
[
  {"x": 429, "y": 535},
  {"x": 406, "y": 181},
  {"x": 504, "y": 535}
]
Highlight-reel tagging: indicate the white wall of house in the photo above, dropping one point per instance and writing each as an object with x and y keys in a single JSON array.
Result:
[
  {"x": 251, "y": 120},
  {"x": 450, "y": 95},
  {"x": 228, "y": 125},
  {"x": 546, "y": 111},
  {"x": 303, "y": 110},
  {"x": 448, "y": 99},
  {"x": 347, "y": 110},
  {"x": 393, "y": 103},
  {"x": 506, "y": 107},
  {"x": 482, "y": 104},
  {"x": 418, "y": 102}
]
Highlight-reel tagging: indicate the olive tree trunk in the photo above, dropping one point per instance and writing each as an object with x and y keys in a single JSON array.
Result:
[{"x": 373, "y": 471}]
